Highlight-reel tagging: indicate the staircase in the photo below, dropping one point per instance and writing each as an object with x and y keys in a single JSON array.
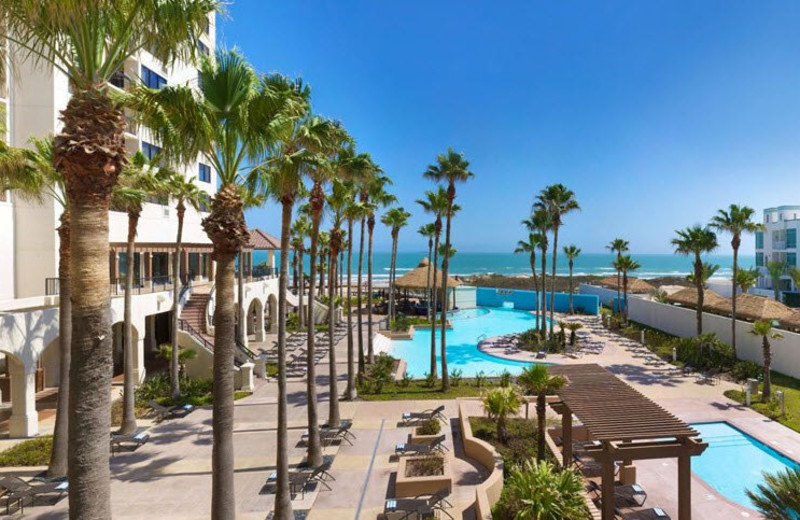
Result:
[{"x": 194, "y": 314}]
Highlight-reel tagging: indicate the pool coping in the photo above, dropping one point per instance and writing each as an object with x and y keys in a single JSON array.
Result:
[{"x": 757, "y": 437}]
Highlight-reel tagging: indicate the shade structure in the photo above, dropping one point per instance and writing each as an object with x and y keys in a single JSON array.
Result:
[
  {"x": 418, "y": 278},
  {"x": 753, "y": 307},
  {"x": 263, "y": 241},
  {"x": 635, "y": 285},
  {"x": 711, "y": 300}
]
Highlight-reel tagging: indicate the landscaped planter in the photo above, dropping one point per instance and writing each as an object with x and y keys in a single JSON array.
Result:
[
  {"x": 416, "y": 438},
  {"x": 411, "y": 486},
  {"x": 402, "y": 334}
]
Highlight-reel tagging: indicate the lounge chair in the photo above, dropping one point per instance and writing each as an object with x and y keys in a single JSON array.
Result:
[
  {"x": 17, "y": 490},
  {"x": 627, "y": 495},
  {"x": 407, "y": 448},
  {"x": 425, "y": 506},
  {"x": 169, "y": 412},
  {"x": 418, "y": 417},
  {"x": 653, "y": 513},
  {"x": 329, "y": 435},
  {"x": 132, "y": 441},
  {"x": 588, "y": 465},
  {"x": 711, "y": 378}
]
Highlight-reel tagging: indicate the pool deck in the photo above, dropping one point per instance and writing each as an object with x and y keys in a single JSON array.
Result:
[{"x": 170, "y": 476}]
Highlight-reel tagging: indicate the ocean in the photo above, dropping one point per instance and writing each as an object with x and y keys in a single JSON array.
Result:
[{"x": 463, "y": 264}]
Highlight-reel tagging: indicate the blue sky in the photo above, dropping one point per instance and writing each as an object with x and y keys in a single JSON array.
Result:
[{"x": 654, "y": 113}]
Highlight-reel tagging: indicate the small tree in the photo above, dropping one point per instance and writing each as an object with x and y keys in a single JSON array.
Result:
[
  {"x": 500, "y": 404},
  {"x": 184, "y": 355},
  {"x": 763, "y": 328},
  {"x": 536, "y": 380},
  {"x": 537, "y": 491},
  {"x": 571, "y": 252},
  {"x": 775, "y": 270},
  {"x": 778, "y": 497}
]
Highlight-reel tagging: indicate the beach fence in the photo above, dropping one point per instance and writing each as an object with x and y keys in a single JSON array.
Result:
[
  {"x": 529, "y": 300},
  {"x": 680, "y": 321}
]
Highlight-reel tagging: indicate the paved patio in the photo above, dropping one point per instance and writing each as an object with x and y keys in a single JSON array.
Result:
[{"x": 170, "y": 476}]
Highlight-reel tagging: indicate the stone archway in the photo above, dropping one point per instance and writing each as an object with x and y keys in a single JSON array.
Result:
[{"x": 255, "y": 320}]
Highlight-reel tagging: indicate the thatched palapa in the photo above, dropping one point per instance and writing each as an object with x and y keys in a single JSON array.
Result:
[
  {"x": 711, "y": 300},
  {"x": 635, "y": 285},
  {"x": 753, "y": 307},
  {"x": 418, "y": 278}
]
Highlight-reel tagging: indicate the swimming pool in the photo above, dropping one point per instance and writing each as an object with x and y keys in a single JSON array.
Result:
[
  {"x": 735, "y": 461},
  {"x": 469, "y": 326}
]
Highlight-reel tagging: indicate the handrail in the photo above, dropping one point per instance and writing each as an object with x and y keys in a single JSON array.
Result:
[
  {"x": 186, "y": 327},
  {"x": 249, "y": 353},
  {"x": 139, "y": 285}
]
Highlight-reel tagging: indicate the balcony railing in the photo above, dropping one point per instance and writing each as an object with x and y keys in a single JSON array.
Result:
[
  {"x": 258, "y": 272},
  {"x": 140, "y": 285}
]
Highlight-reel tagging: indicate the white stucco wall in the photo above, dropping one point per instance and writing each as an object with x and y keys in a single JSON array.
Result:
[
  {"x": 681, "y": 322},
  {"x": 7, "y": 261}
]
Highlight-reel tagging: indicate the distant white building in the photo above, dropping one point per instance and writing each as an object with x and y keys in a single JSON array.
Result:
[{"x": 778, "y": 243}]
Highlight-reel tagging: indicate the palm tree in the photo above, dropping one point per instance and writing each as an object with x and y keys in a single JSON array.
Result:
[
  {"x": 776, "y": 268},
  {"x": 696, "y": 240},
  {"x": 184, "y": 355},
  {"x": 353, "y": 212},
  {"x": 30, "y": 172},
  {"x": 747, "y": 278},
  {"x": 183, "y": 191},
  {"x": 300, "y": 230},
  {"x": 428, "y": 231},
  {"x": 571, "y": 252},
  {"x": 538, "y": 491},
  {"x": 778, "y": 497},
  {"x": 233, "y": 121},
  {"x": 763, "y": 328},
  {"x": 529, "y": 247},
  {"x": 618, "y": 246},
  {"x": 626, "y": 265},
  {"x": 451, "y": 167},
  {"x": 89, "y": 42},
  {"x": 395, "y": 219},
  {"x": 378, "y": 198},
  {"x": 542, "y": 222},
  {"x": 736, "y": 221},
  {"x": 500, "y": 404},
  {"x": 709, "y": 270},
  {"x": 136, "y": 183},
  {"x": 435, "y": 202},
  {"x": 536, "y": 380},
  {"x": 560, "y": 200}
]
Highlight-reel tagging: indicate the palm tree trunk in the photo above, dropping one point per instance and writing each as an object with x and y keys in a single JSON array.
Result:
[
  {"x": 350, "y": 391},
  {"x": 434, "y": 300},
  {"x": 540, "y": 420},
  {"x": 294, "y": 270},
  {"x": 314, "y": 446},
  {"x": 698, "y": 281},
  {"x": 333, "y": 409},
  {"x": 58, "y": 457},
  {"x": 451, "y": 194},
  {"x": 392, "y": 267},
  {"x": 128, "y": 399},
  {"x": 241, "y": 324},
  {"x": 766, "y": 391},
  {"x": 733, "y": 300},
  {"x": 625, "y": 295},
  {"x": 535, "y": 284},
  {"x": 428, "y": 282},
  {"x": 553, "y": 281},
  {"x": 571, "y": 309},
  {"x": 370, "y": 347},
  {"x": 175, "y": 382},
  {"x": 301, "y": 315},
  {"x": 283, "y": 500},
  {"x": 544, "y": 293},
  {"x": 359, "y": 290}
]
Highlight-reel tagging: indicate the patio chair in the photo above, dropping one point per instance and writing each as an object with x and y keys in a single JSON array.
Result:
[
  {"x": 17, "y": 490},
  {"x": 627, "y": 495},
  {"x": 131, "y": 440},
  {"x": 418, "y": 417},
  {"x": 653, "y": 513},
  {"x": 414, "y": 508},
  {"x": 169, "y": 412},
  {"x": 438, "y": 499},
  {"x": 407, "y": 448}
]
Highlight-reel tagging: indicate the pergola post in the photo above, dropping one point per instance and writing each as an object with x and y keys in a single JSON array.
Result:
[
  {"x": 607, "y": 482},
  {"x": 566, "y": 437},
  {"x": 684, "y": 486}
]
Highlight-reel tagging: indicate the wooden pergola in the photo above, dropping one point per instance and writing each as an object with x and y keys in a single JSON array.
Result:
[{"x": 626, "y": 426}]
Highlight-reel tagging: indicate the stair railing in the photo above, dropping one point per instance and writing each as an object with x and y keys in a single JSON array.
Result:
[{"x": 186, "y": 327}]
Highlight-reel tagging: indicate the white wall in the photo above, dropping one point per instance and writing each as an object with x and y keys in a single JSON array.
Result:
[
  {"x": 466, "y": 297},
  {"x": 681, "y": 321},
  {"x": 607, "y": 296},
  {"x": 7, "y": 282}
]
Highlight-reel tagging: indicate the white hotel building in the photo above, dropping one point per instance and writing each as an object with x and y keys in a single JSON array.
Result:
[
  {"x": 31, "y": 99},
  {"x": 778, "y": 243}
]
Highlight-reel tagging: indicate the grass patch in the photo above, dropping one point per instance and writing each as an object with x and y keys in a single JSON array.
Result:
[
  {"x": 791, "y": 389},
  {"x": 241, "y": 394},
  {"x": 32, "y": 452},
  {"x": 521, "y": 446},
  {"x": 419, "y": 390}
]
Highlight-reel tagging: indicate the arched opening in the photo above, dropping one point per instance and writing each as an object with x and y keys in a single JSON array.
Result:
[
  {"x": 24, "y": 396},
  {"x": 272, "y": 314},
  {"x": 255, "y": 320},
  {"x": 118, "y": 349},
  {"x": 157, "y": 332}
]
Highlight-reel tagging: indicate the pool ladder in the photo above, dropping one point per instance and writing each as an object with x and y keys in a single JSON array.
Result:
[{"x": 481, "y": 337}]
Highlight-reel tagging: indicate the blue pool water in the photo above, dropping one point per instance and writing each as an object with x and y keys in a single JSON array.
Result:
[
  {"x": 462, "y": 342},
  {"x": 735, "y": 461}
]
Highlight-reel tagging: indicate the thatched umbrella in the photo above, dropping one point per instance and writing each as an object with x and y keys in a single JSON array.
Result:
[
  {"x": 753, "y": 307},
  {"x": 418, "y": 278},
  {"x": 687, "y": 297},
  {"x": 635, "y": 285}
]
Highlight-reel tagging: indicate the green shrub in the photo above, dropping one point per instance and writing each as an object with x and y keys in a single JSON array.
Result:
[
  {"x": 196, "y": 392},
  {"x": 293, "y": 321},
  {"x": 379, "y": 373},
  {"x": 539, "y": 490},
  {"x": 744, "y": 370},
  {"x": 430, "y": 427},
  {"x": 405, "y": 381},
  {"x": 505, "y": 379},
  {"x": 456, "y": 377},
  {"x": 32, "y": 452},
  {"x": 480, "y": 379},
  {"x": 400, "y": 323},
  {"x": 430, "y": 379}
]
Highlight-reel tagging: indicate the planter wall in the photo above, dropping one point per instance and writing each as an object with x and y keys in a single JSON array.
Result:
[{"x": 413, "y": 486}]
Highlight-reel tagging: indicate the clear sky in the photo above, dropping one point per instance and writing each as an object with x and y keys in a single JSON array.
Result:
[{"x": 655, "y": 113}]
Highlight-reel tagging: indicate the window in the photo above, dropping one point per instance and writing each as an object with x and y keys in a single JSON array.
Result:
[
  {"x": 202, "y": 47},
  {"x": 208, "y": 26},
  {"x": 760, "y": 259},
  {"x": 791, "y": 259},
  {"x": 791, "y": 238},
  {"x": 759, "y": 240},
  {"x": 199, "y": 80},
  {"x": 152, "y": 79},
  {"x": 118, "y": 79},
  {"x": 205, "y": 173},
  {"x": 150, "y": 150}
]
